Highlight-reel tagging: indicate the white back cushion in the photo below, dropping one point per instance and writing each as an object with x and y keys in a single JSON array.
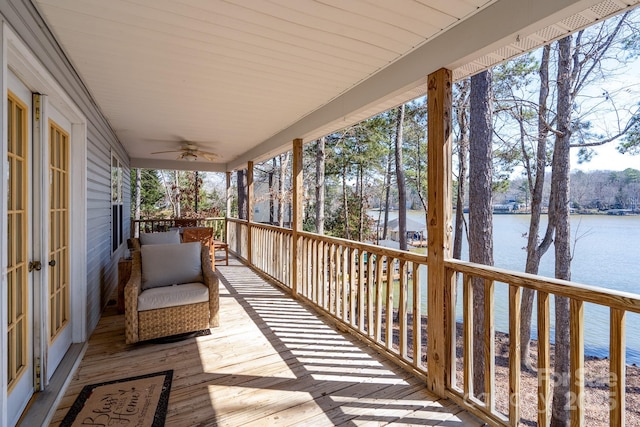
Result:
[
  {"x": 170, "y": 264},
  {"x": 159, "y": 238}
]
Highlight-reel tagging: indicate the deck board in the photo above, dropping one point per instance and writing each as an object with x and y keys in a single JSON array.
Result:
[{"x": 272, "y": 361}]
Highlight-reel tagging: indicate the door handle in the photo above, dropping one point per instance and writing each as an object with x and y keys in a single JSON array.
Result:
[
  {"x": 52, "y": 263},
  {"x": 34, "y": 265}
]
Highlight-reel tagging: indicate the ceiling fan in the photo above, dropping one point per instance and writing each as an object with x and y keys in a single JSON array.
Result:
[{"x": 190, "y": 152}]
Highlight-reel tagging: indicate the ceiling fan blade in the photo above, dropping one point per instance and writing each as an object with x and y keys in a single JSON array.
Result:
[
  {"x": 169, "y": 151},
  {"x": 209, "y": 156}
]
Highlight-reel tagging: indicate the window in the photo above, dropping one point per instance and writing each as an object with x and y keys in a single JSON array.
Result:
[{"x": 116, "y": 203}]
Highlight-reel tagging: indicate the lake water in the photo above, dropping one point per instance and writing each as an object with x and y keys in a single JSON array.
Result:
[{"x": 606, "y": 254}]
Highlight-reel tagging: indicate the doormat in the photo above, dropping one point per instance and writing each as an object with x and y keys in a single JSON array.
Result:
[{"x": 137, "y": 401}]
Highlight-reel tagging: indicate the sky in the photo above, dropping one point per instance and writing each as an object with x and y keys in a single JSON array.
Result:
[
  {"x": 608, "y": 158},
  {"x": 624, "y": 87}
]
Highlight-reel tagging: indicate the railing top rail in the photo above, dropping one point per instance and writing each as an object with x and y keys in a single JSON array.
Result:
[
  {"x": 368, "y": 247},
  {"x": 213, "y": 218},
  {"x": 238, "y": 220},
  {"x": 271, "y": 227},
  {"x": 592, "y": 294}
]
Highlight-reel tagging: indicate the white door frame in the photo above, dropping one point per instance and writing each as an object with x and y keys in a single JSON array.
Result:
[{"x": 20, "y": 60}]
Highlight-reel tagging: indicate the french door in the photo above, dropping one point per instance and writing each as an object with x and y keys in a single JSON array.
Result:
[
  {"x": 38, "y": 262},
  {"x": 20, "y": 266},
  {"x": 58, "y": 289}
]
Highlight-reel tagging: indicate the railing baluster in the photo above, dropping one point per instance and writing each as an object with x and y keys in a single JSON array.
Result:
[
  {"x": 353, "y": 295},
  {"x": 362, "y": 296},
  {"x": 467, "y": 318},
  {"x": 417, "y": 316},
  {"x": 378, "y": 281},
  {"x": 617, "y": 370},
  {"x": 371, "y": 288},
  {"x": 402, "y": 308},
  {"x": 389, "y": 303},
  {"x": 489, "y": 345},
  {"x": 325, "y": 275},
  {"x": 515, "y": 294},
  {"x": 339, "y": 282},
  {"x": 576, "y": 338},
  {"x": 345, "y": 284},
  {"x": 544, "y": 360},
  {"x": 332, "y": 272}
]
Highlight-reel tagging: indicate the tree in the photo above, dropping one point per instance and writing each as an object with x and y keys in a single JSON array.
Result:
[
  {"x": 148, "y": 192},
  {"x": 535, "y": 173},
  {"x": 461, "y": 109},
  {"x": 402, "y": 190},
  {"x": 138, "y": 195},
  {"x": 283, "y": 194},
  {"x": 320, "y": 160},
  {"x": 355, "y": 162},
  {"x": 480, "y": 206},
  {"x": 559, "y": 216},
  {"x": 242, "y": 194}
]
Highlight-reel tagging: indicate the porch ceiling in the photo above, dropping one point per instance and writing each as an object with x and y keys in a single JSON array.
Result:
[{"x": 244, "y": 78}]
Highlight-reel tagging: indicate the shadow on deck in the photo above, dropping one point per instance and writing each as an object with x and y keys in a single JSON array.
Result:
[{"x": 272, "y": 361}]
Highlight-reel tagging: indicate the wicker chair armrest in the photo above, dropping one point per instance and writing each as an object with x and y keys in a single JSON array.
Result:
[
  {"x": 132, "y": 289},
  {"x": 133, "y": 244},
  {"x": 211, "y": 280}
]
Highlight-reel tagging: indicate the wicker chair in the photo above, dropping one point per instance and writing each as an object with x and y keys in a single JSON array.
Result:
[{"x": 173, "y": 320}]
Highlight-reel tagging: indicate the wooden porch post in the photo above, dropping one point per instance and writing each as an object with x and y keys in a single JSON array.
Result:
[
  {"x": 440, "y": 284},
  {"x": 229, "y": 195},
  {"x": 228, "y": 207},
  {"x": 296, "y": 220},
  {"x": 249, "y": 209}
]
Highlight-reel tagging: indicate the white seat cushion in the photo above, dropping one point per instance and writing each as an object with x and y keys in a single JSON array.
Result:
[{"x": 171, "y": 296}]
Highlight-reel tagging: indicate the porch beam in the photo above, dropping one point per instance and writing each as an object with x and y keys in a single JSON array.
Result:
[
  {"x": 249, "y": 210},
  {"x": 296, "y": 220},
  {"x": 440, "y": 283}
]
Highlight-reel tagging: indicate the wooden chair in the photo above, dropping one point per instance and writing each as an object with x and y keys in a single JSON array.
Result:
[
  {"x": 203, "y": 235},
  {"x": 185, "y": 222},
  {"x": 222, "y": 246}
]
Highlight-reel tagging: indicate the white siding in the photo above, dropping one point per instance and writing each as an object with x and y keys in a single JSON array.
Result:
[{"x": 25, "y": 20}]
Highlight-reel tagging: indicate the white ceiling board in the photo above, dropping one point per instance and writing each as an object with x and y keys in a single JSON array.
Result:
[{"x": 243, "y": 78}]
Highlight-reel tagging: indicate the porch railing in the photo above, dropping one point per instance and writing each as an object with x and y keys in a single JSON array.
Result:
[
  {"x": 380, "y": 295},
  {"x": 617, "y": 303},
  {"x": 156, "y": 225}
]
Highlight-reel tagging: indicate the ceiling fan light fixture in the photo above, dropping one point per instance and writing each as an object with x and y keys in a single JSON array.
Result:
[{"x": 190, "y": 157}]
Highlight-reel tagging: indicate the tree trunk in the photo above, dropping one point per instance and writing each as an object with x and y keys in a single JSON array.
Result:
[
  {"x": 197, "y": 191},
  {"x": 272, "y": 191},
  {"x": 462, "y": 105},
  {"x": 480, "y": 209},
  {"x": 387, "y": 190},
  {"x": 138, "y": 194},
  {"x": 284, "y": 163},
  {"x": 559, "y": 211},
  {"x": 345, "y": 203},
  {"x": 402, "y": 188},
  {"x": 176, "y": 184},
  {"x": 536, "y": 177},
  {"x": 242, "y": 194},
  {"x": 320, "y": 160},
  {"x": 362, "y": 204}
]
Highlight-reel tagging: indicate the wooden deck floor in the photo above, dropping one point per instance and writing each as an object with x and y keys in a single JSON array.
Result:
[{"x": 272, "y": 361}]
